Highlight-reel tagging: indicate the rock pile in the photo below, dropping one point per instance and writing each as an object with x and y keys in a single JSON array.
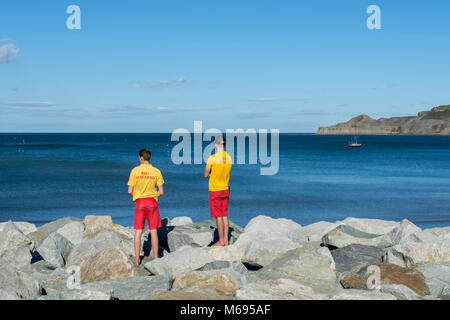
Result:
[{"x": 92, "y": 258}]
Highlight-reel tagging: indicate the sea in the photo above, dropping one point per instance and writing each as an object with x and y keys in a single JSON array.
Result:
[{"x": 44, "y": 177}]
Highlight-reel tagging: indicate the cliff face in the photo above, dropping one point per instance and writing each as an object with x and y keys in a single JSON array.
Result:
[{"x": 435, "y": 121}]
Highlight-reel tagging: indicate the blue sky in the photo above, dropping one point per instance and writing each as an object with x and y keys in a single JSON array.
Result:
[{"x": 154, "y": 66}]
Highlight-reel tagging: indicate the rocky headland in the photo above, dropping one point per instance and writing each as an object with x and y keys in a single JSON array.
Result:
[
  {"x": 269, "y": 259},
  {"x": 433, "y": 122}
]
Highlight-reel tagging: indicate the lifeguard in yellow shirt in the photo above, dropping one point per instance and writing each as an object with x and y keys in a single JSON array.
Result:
[
  {"x": 218, "y": 169},
  {"x": 145, "y": 185}
]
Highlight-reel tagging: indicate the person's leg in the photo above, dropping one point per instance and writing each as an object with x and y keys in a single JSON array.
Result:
[
  {"x": 225, "y": 230},
  {"x": 155, "y": 242},
  {"x": 139, "y": 221},
  {"x": 219, "y": 222},
  {"x": 137, "y": 247}
]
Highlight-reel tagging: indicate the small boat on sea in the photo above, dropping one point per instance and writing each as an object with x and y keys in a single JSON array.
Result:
[{"x": 355, "y": 144}]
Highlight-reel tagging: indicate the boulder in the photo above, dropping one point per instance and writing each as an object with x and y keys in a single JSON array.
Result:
[
  {"x": 260, "y": 249},
  {"x": 133, "y": 288},
  {"x": 228, "y": 253},
  {"x": 182, "y": 261},
  {"x": 18, "y": 285},
  {"x": 25, "y": 227},
  {"x": 72, "y": 231},
  {"x": 55, "y": 249},
  {"x": 310, "y": 265},
  {"x": 420, "y": 248},
  {"x": 356, "y": 255},
  {"x": 312, "y": 232},
  {"x": 53, "y": 226},
  {"x": 15, "y": 247},
  {"x": 354, "y": 294},
  {"x": 400, "y": 291},
  {"x": 402, "y": 233},
  {"x": 443, "y": 233},
  {"x": 180, "y": 221},
  {"x": 189, "y": 296},
  {"x": 374, "y": 226},
  {"x": 48, "y": 277},
  {"x": 218, "y": 265},
  {"x": 199, "y": 234},
  {"x": 280, "y": 289},
  {"x": 437, "y": 277},
  {"x": 267, "y": 224},
  {"x": 37, "y": 237},
  {"x": 75, "y": 294},
  {"x": 344, "y": 235},
  {"x": 87, "y": 248},
  {"x": 95, "y": 225},
  {"x": 111, "y": 263},
  {"x": 222, "y": 282},
  {"x": 189, "y": 235},
  {"x": 389, "y": 274}
]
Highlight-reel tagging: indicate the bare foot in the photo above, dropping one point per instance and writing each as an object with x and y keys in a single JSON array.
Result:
[
  {"x": 218, "y": 244},
  {"x": 137, "y": 262}
]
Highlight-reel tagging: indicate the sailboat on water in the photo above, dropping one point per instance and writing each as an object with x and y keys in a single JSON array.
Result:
[{"x": 354, "y": 143}]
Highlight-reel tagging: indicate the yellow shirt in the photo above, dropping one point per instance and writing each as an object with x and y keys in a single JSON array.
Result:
[
  {"x": 220, "y": 165},
  {"x": 144, "y": 180}
]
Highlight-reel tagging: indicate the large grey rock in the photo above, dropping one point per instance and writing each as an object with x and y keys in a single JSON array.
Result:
[
  {"x": 267, "y": 224},
  {"x": 103, "y": 241},
  {"x": 374, "y": 226},
  {"x": 355, "y": 294},
  {"x": 418, "y": 248},
  {"x": 182, "y": 261},
  {"x": 259, "y": 249},
  {"x": 95, "y": 225},
  {"x": 72, "y": 231},
  {"x": 400, "y": 291},
  {"x": 356, "y": 255},
  {"x": 48, "y": 277},
  {"x": 17, "y": 285},
  {"x": 53, "y": 226},
  {"x": 25, "y": 227},
  {"x": 222, "y": 282},
  {"x": 312, "y": 232},
  {"x": 111, "y": 263},
  {"x": 133, "y": 288},
  {"x": 439, "y": 232},
  {"x": 403, "y": 232},
  {"x": 189, "y": 235},
  {"x": 180, "y": 221},
  {"x": 75, "y": 294},
  {"x": 364, "y": 278},
  {"x": 217, "y": 265},
  {"x": 199, "y": 234},
  {"x": 437, "y": 277},
  {"x": 310, "y": 265},
  {"x": 344, "y": 235},
  {"x": 15, "y": 247},
  {"x": 279, "y": 289},
  {"x": 55, "y": 249}
]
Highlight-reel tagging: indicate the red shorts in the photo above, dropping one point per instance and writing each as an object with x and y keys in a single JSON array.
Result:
[
  {"x": 146, "y": 208},
  {"x": 218, "y": 203}
]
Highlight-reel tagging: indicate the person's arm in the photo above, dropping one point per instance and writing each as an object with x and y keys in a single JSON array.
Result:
[
  {"x": 130, "y": 190},
  {"x": 207, "y": 172},
  {"x": 160, "y": 191}
]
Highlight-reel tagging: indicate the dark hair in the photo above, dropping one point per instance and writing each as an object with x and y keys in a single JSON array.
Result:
[{"x": 146, "y": 154}]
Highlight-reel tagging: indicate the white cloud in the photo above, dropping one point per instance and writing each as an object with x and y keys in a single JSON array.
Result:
[
  {"x": 28, "y": 104},
  {"x": 175, "y": 82},
  {"x": 8, "y": 52},
  {"x": 277, "y": 99}
]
